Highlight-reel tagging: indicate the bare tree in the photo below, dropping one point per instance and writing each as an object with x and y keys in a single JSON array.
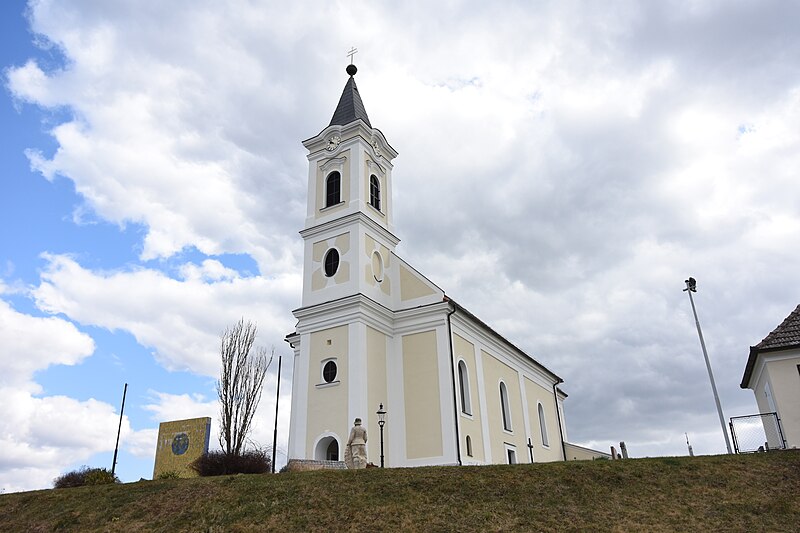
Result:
[{"x": 240, "y": 384}]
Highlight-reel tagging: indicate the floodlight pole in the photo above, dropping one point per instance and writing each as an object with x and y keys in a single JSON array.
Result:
[{"x": 691, "y": 286}]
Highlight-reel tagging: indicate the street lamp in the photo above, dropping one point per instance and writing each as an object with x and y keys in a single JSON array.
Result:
[
  {"x": 691, "y": 286},
  {"x": 381, "y": 422}
]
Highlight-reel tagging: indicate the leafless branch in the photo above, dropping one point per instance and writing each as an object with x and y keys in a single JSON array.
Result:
[{"x": 240, "y": 384}]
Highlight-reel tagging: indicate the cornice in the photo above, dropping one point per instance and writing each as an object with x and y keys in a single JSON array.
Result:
[
  {"x": 355, "y": 308},
  {"x": 346, "y": 220}
]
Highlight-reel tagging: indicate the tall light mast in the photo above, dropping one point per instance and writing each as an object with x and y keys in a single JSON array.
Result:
[{"x": 691, "y": 286}]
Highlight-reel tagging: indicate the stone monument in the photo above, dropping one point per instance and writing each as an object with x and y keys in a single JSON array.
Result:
[{"x": 179, "y": 443}]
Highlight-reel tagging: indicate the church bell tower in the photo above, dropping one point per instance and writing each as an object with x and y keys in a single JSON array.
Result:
[{"x": 349, "y": 279}]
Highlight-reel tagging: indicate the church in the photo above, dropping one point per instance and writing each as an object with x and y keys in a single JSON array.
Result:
[{"x": 373, "y": 333}]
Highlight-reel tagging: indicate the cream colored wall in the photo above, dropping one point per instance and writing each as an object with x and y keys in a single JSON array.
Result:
[
  {"x": 535, "y": 394},
  {"x": 423, "y": 423},
  {"x": 470, "y": 425},
  {"x": 411, "y": 286},
  {"x": 318, "y": 278},
  {"x": 493, "y": 371},
  {"x": 579, "y": 453},
  {"x": 326, "y": 403},
  {"x": 376, "y": 394},
  {"x": 761, "y": 398},
  {"x": 345, "y": 187},
  {"x": 785, "y": 380}
]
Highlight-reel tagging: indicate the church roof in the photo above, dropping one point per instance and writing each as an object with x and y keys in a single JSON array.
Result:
[
  {"x": 511, "y": 345},
  {"x": 350, "y": 107},
  {"x": 786, "y": 335}
]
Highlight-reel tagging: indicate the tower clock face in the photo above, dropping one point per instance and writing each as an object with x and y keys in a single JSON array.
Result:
[{"x": 180, "y": 444}]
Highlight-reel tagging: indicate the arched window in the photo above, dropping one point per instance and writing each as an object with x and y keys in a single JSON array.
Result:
[
  {"x": 504, "y": 407},
  {"x": 463, "y": 384},
  {"x": 333, "y": 189},
  {"x": 375, "y": 192},
  {"x": 543, "y": 426},
  {"x": 469, "y": 446},
  {"x": 331, "y": 262}
]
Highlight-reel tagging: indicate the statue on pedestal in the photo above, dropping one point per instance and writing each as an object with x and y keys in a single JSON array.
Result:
[{"x": 355, "y": 454}]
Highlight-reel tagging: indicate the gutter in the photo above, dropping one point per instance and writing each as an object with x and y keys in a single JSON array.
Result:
[
  {"x": 558, "y": 416},
  {"x": 453, "y": 375}
]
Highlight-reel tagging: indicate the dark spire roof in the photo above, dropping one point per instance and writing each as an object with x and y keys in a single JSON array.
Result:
[
  {"x": 350, "y": 107},
  {"x": 787, "y": 335}
]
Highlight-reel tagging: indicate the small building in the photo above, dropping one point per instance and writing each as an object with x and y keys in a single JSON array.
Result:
[
  {"x": 773, "y": 374},
  {"x": 373, "y": 331}
]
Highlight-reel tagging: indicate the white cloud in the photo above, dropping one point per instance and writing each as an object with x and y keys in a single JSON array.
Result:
[
  {"x": 29, "y": 343},
  {"x": 180, "y": 320},
  {"x": 41, "y": 436}
]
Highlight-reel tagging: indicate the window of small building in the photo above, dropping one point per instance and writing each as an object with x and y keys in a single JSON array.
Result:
[
  {"x": 463, "y": 383},
  {"x": 469, "y": 446},
  {"x": 543, "y": 426},
  {"x": 504, "y": 407},
  {"x": 333, "y": 189},
  {"x": 375, "y": 192},
  {"x": 331, "y": 262},
  {"x": 329, "y": 371}
]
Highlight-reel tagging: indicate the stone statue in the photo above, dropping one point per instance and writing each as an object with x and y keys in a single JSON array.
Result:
[{"x": 355, "y": 454}]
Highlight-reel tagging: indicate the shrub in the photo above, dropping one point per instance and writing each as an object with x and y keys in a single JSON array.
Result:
[
  {"x": 85, "y": 476},
  {"x": 218, "y": 463},
  {"x": 169, "y": 474}
]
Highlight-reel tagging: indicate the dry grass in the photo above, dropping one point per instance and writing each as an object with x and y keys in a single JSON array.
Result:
[{"x": 758, "y": 492}]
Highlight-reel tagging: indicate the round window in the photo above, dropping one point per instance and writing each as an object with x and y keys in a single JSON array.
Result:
[
  {"x": 377, "y": 266},
  {"x": 329, "y": 371},
  {"x": 331, "y": 262}
]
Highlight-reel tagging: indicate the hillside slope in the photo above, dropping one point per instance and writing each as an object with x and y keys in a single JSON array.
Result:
[{"x": 758, "y": 492}]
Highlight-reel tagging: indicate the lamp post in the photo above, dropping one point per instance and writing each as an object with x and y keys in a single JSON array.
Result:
[
  {"x": 381, "y": 422},
  {"x": 691, "y": 286}
]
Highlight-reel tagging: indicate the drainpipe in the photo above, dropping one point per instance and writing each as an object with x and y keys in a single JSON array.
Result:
[
  {"x": 558, "y": 416},
  {"x": 453, "y": 374}
]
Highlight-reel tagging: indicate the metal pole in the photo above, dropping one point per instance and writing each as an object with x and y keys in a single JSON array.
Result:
[
  {"x": 381, "y": 445},
  {"x": 277, "y": 399},
  {"x": 690, "y": 289},
  {"x": 119, "y": 429}
]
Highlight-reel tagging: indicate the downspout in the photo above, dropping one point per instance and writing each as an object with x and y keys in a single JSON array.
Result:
[
  {"x": 558, "y": 416},
  {"x": 453, "y": 374}
]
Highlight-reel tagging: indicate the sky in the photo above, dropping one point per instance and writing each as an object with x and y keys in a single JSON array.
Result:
[{"x": 564, "y": 166}]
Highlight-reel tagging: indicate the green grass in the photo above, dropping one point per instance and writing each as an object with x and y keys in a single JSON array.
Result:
[{"x": 758, "y": 492}]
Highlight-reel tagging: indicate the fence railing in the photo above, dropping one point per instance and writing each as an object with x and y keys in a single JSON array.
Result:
[{"x": 757, "y": 433}]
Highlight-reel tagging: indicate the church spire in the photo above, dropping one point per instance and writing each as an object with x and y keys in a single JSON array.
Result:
[{"x": 350, "y": 107}]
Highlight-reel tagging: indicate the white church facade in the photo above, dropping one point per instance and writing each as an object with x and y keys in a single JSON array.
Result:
[{"x": 373, "y": 331}]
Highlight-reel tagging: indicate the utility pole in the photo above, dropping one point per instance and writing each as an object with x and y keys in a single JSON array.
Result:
[
  {"x": 691, "y": 286},
  {"x": 277, "y": 399},
  {"x": 119, "y": 429}
]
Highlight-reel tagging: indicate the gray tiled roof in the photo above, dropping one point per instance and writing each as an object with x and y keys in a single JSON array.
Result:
[
  {"x": 350, "y": 107},
  {"x": 786, "y": 335}
]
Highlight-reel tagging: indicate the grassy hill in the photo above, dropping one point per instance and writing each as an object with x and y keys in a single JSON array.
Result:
[{"x": 758, "y": 492}]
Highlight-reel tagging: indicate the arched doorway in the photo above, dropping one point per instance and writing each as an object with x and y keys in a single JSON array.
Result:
[{"x": 327, "y": 449}]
